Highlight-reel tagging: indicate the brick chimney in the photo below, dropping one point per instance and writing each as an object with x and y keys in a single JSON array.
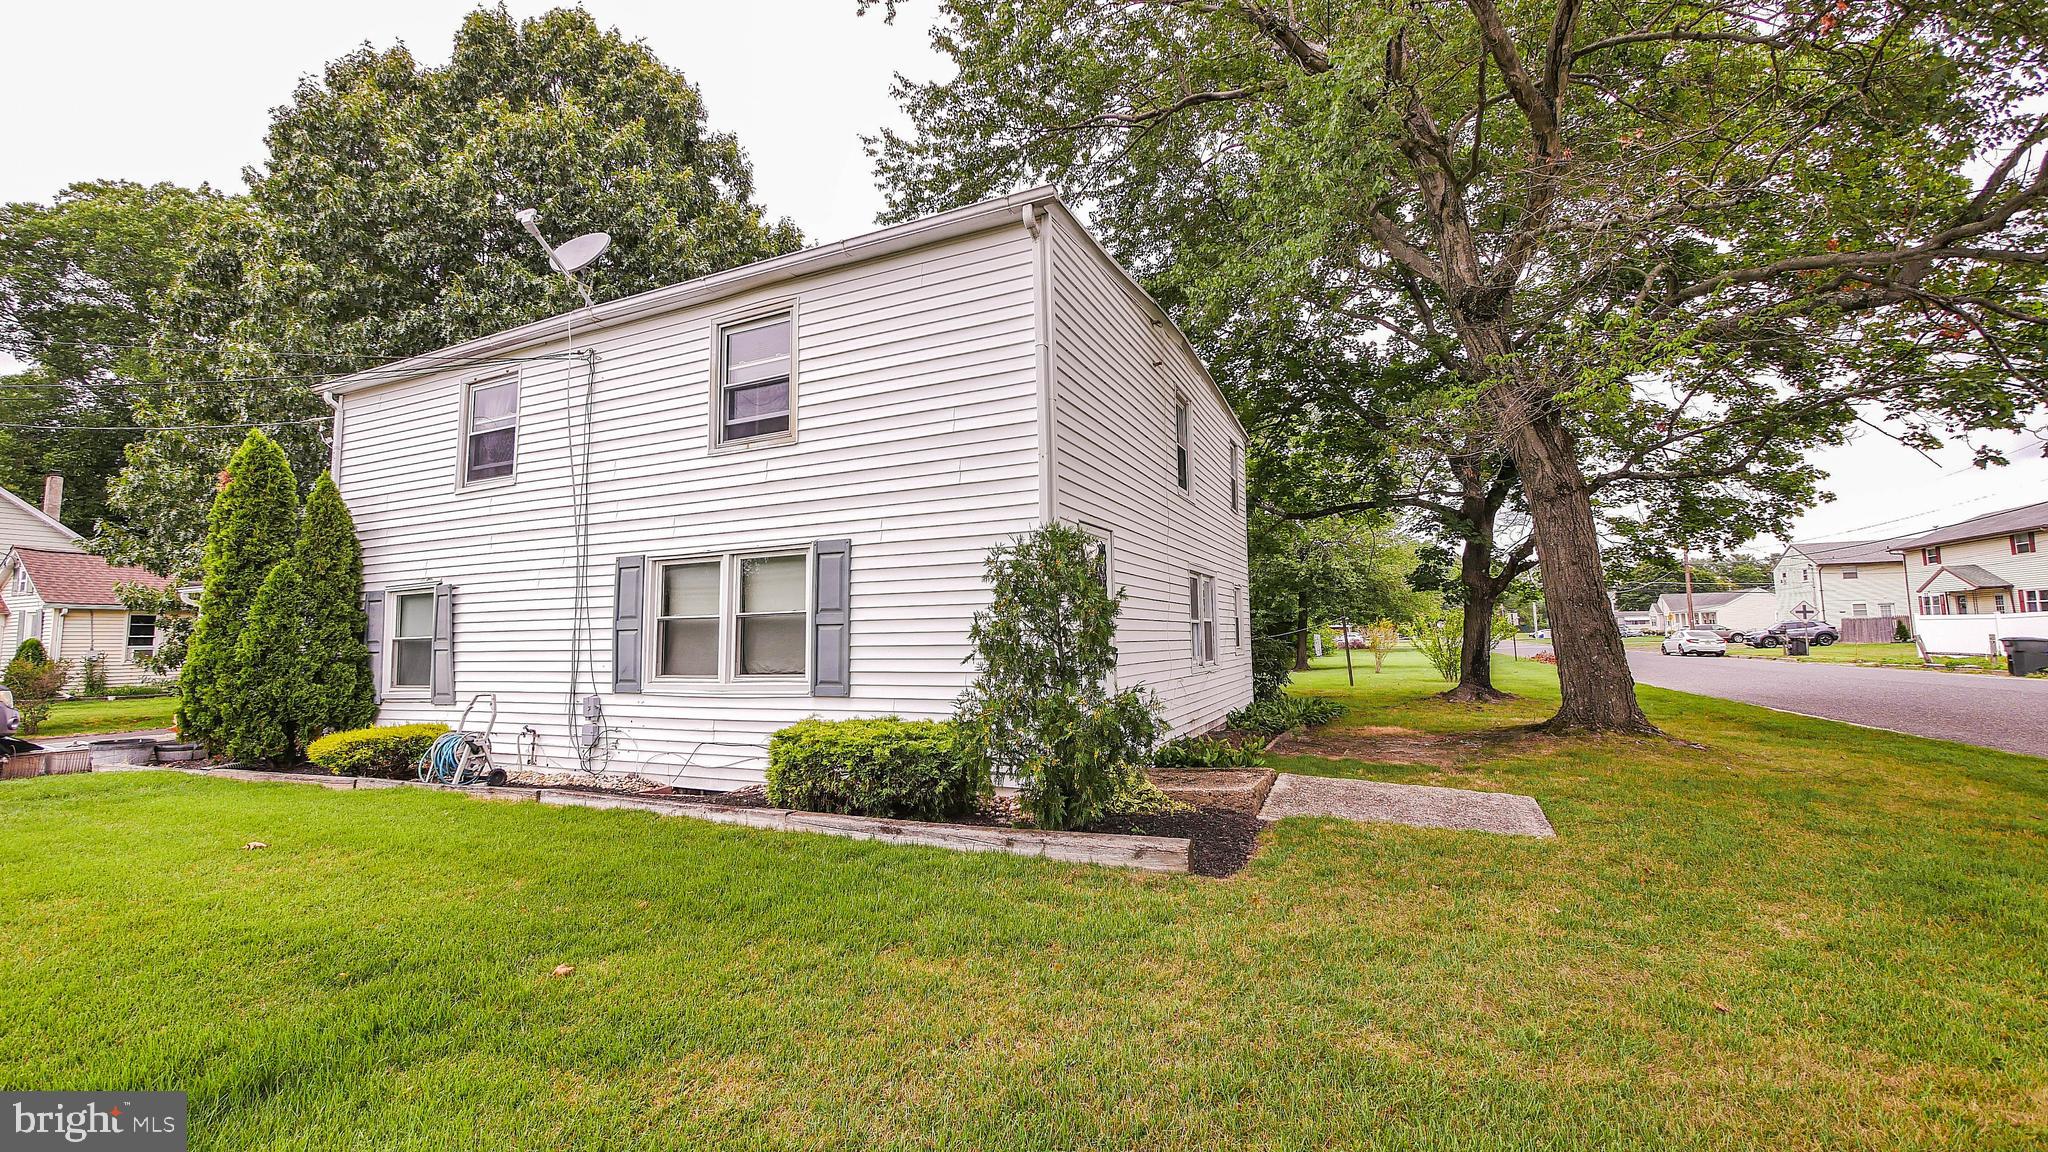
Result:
[{"x": 53, "y": 495}]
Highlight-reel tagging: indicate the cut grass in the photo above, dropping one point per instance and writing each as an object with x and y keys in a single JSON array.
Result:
[
  {"x": 1803, "y": 935},
  {"x": 1889, "y": 655},
  {"x": 83, "y": 717}
]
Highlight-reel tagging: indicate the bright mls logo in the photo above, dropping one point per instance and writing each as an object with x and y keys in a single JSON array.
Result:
[{"x": 112, "y": 1121}]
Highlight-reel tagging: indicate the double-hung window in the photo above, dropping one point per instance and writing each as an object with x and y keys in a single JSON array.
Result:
[
  {"x": 2022, "y": 543},
  {"x": 412, "y": 639},
  {"x": 740, "y": 617},
  {"x": 771, "y": 616},
  {"x": 490, "y": 430},
  {"x": 687, "y": 612},
  {"x": 1202, "y": 617},
  {"x": 753, "y": 380},
  {"x": 1930, "y": 555},
  {"x": 1180, "y": 442},
  {"x": 1236, "y": 469}
]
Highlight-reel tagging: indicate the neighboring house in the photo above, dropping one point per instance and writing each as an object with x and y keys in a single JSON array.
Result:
[
  {"x": 69, "y": 600},
  {"x": 1992, "y": 565},
  {"x": 1744, "y": 611},
  {"x": 1839, "y": 580},
  {"x": 719, "y": 507},
  {"x": 31, "y": 527},
  {"x": 1640, "y": 621}
]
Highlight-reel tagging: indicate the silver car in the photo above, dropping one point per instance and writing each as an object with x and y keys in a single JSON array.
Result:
[{"x": 1694, "y": 642}]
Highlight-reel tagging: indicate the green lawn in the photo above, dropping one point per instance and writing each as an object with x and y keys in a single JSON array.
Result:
[
  {"x": 1802, "y": 935},
  {"x": 78, "y": 717},
  {"x": 1901, "y": 655}
]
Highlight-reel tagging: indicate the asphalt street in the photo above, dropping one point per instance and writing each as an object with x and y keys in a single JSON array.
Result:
[{"x": 1992, "y": 711}]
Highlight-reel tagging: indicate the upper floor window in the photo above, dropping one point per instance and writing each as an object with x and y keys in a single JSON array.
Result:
[
  {"x": 1180, "y": 442},
  {"x": 1236, "y": 467},
  {"x": 1848, "y": 573},
  {"x": 490, "y": 430},
  {"x": 1930, "y": 555},
  {"x": 2022, "y": 543},
  {"x": 753, "y": 379}
]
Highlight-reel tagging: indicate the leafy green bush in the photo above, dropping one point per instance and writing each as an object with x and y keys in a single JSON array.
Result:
[
  {"x": 1284, "y": 714},
  {"x": 1039, "y": 712},
  {"x": 390, "y": 752},
  {"x": 912, "y": 769},
  {"x": 1900, "y": 633},
  {"x": 92, "y": 674},
  {"x": 1136, "y": 796},
  {"x": 35, "y": 680},
  {"x": 1206, "y": 752}
]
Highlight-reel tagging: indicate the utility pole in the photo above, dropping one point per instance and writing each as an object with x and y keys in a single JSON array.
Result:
[
  {"x": 1690, "y": 619},
  {"x": 1349, "y": 676}
]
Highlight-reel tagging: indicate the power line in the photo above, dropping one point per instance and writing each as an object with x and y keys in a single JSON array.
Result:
[{"x": 165, "y": 427}]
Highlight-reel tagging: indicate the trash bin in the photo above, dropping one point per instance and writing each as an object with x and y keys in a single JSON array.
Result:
[
  {"x": 1795, "y": 646},
  {"x": 2026, "y": 655}
]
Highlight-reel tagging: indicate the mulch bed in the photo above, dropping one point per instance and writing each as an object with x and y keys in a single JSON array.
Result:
[{"x": 1222, "y": 840}]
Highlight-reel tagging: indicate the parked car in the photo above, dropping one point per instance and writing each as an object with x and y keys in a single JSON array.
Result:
[
  {"x": 1818, "y": 633},
  {"x": 1728, "y": 635},
  {"x": 1629, "y": 631},
  {"x": 1693, "y": 642}
]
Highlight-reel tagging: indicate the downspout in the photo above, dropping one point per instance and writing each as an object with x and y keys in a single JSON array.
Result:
[{"x": 1047, "y": 452}]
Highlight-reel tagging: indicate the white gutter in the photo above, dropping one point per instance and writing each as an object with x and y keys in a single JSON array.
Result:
[{"x": 959, "y": 222}]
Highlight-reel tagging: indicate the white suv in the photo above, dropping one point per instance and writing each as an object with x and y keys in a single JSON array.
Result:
[{"x": 1694, "y": 642}]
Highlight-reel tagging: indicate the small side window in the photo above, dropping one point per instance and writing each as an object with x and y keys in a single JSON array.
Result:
[
  {"x": 490, "y": 430},
  {"x": 1236, "y": 470},
  {"x": 1180, "y": 442},
  {"x": 753, "y": 380},
  {"x": 1202, "y": 617},
  {"x": 141, "y": 632}
]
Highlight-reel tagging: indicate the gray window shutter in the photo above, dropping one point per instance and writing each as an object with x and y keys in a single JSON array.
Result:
[
  {"x": 831, "y": 634},
  {"x": 373, "y": 639},
  {"x": 629, "y": 599},
  {"x": 444, "y": 644}
]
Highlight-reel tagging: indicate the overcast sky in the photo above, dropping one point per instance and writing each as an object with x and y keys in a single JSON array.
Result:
[{"x": 182, "y": 92}]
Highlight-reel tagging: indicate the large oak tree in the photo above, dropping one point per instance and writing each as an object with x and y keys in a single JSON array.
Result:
[{"x": 1640, "y": 239}]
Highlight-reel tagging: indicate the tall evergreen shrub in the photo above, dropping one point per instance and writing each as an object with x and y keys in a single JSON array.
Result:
[
  {"x": 333, "y": 688},
  {"x": 259, "y": 721},
  {"x": 250, "y": 528},
  {"x": 1040, "y": 711}
]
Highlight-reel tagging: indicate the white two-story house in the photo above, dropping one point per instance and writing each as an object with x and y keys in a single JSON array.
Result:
[
  {"x": 1988, "y": 566},
  {"x": 660, "y": 529},
  {"x": 1840, "y": 580}
]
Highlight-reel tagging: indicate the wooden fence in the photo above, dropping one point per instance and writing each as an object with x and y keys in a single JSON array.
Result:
[{"x": 1870, "y": 629}]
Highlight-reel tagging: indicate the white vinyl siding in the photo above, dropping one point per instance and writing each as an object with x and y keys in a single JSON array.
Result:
[
  {"x": 1119, "y": 380},
  {"x": 917, "y": 407}
]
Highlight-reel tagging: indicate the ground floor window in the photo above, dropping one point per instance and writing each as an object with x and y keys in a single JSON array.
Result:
[
  {"x": 141, "y": 632},
  {"x": 1202, "y": 617},
  {"x": 742, "y": 616},
  {"x": 2036, "y": 599},
  {"x": 1859, "y": 609},
  {"x": 412, "y": 639}
]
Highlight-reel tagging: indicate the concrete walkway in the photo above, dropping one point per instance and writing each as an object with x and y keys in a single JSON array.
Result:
[{"x": 1414, "y": 804}]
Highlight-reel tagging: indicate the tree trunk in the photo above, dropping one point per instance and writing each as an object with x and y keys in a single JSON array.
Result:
[
  {"x": 1598, "y": 690},
  {"x": 1301, "y": 641},
  {"x": 1475, "y": 651}
]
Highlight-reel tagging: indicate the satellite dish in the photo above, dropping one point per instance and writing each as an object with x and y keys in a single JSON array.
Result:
[{"x": 577, "y": 254}]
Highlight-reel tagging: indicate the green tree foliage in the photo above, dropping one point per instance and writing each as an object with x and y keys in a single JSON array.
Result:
[
  {"x": 35, "y": 681},
  {"x": 1309, "y": 575},
  {"x": 1380, "y": 641},
  {"x": 333, "y": 691},
  {"x": 259, "y": 715},
  {"x": 381, "y": 225},
  {"x": 251, "y": 527},
  {"x": 79, "y": 281},
  {"x": 1039, "y": 711},
  {"x": 1641, "y": 242}
]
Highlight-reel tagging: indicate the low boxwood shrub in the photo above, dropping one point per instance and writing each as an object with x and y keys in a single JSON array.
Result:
[
  {"x": 911, "y": 769},
  {"x": 390, "y": 752},
  {"x": 1206, "y": 752},
  {"x": 141, "y": 691},
  {"x": 1284, "y": 714}
]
